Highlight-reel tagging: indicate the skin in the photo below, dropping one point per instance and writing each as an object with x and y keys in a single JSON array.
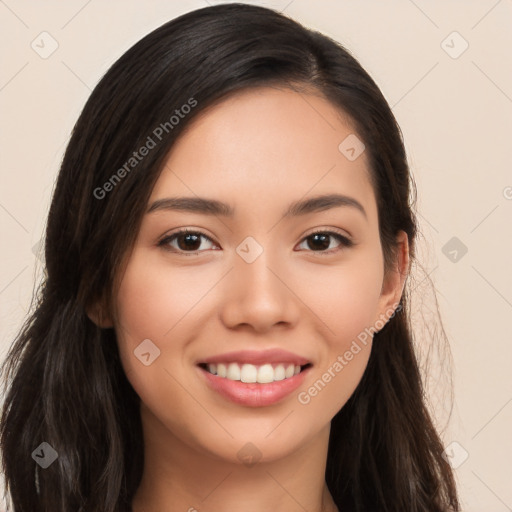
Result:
[{"x": 258, "y": 151}]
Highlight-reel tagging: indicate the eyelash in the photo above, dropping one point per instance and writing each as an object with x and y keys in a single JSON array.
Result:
[{"x": 164, "y": 243}]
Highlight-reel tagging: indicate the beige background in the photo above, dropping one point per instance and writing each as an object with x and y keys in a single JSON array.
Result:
[{"x": 456, "y": 115}]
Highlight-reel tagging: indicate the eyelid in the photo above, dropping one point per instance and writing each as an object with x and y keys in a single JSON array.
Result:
[{"x": 327, "y": 230}]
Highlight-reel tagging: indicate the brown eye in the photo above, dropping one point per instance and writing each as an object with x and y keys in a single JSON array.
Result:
[
  {"x": 320, "y": 241},
  {"x": 184, "y": 241}
]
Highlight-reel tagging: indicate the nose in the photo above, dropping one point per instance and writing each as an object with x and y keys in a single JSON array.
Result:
[{"x": 259, "y": 296}]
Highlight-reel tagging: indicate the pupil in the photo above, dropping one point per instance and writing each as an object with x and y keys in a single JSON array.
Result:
[
  {"x": 325, "y": 242},
  {"x": 191, "y": 245}
]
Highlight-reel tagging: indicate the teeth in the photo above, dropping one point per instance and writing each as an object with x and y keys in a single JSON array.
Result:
[
  {"x": 251, "y": 373},
  {"x": 248, "y": 373},
  {"x": 265, "y": 373},
  {"x": 279, "y": 372},
  {"x": 221, "y": 370},
  {"x": 233, "y": 372}
]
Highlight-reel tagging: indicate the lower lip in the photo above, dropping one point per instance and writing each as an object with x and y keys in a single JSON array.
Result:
[{"x": 254, "y": 394}]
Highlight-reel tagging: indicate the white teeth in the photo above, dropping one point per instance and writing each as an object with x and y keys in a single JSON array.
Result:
[
  {"x": 279, "y": 373},
  {"x": 250, "y": 373},
  {"x": 221, "y": 370},
  {"x": 233, "y": 372},
  {"x": 265, "y": 374}
]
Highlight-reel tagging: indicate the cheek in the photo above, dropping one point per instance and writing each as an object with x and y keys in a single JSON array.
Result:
[
  {"x": 147, "y": 308},
  {"x": 346, "y": 301},
  {"x": 154, "y": 302},
  {"x": 331, "y": 386},
  {"x": 156, "y": 305},
  {"x": 345, "y": 298},
  {"x": 160, "y": 305}
]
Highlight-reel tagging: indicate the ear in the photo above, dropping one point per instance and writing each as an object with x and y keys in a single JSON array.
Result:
[
  {"x": 97, "y": 314},
  {"x": 394, "y": 281}
]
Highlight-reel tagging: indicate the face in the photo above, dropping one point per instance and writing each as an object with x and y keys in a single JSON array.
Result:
[{"x": 258, "y": 282}]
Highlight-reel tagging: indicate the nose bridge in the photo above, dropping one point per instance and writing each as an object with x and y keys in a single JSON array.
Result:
[
  {"x": 257, "y": 293},
  {"x": 256, "y": 265}
]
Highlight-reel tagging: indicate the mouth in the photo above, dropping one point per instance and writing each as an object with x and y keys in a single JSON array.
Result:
[
  {"x": 251, "y": 373},
  {"x": 253, "y": 385}
]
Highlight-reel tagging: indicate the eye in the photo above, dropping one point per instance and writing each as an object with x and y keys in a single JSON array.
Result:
[
  {"x": 186, "y": 241},
  {"x": 320, "y": 240}
]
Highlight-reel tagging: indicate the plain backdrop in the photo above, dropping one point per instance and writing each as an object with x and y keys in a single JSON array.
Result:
[{"x": 445, "y": 69}]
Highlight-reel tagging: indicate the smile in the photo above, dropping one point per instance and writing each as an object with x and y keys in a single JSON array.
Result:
[
  {"x": 253, "y": 393},
  {"x": 251, "y": 373}
]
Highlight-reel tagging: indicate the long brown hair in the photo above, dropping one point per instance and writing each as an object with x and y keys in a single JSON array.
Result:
[{"x": 64, "y": 380}]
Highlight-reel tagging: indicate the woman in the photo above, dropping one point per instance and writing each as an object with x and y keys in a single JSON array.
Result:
[{"x": 223, "y": 319}]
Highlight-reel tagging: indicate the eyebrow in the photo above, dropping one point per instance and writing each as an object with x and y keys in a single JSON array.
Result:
[{"x": 213, "y": 207}]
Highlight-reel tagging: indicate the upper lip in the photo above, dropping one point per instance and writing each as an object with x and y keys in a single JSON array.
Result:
[{"x": 257, "y": 357}]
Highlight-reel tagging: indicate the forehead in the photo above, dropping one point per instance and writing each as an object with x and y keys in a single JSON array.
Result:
[{"x": 266, "y": 142}]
